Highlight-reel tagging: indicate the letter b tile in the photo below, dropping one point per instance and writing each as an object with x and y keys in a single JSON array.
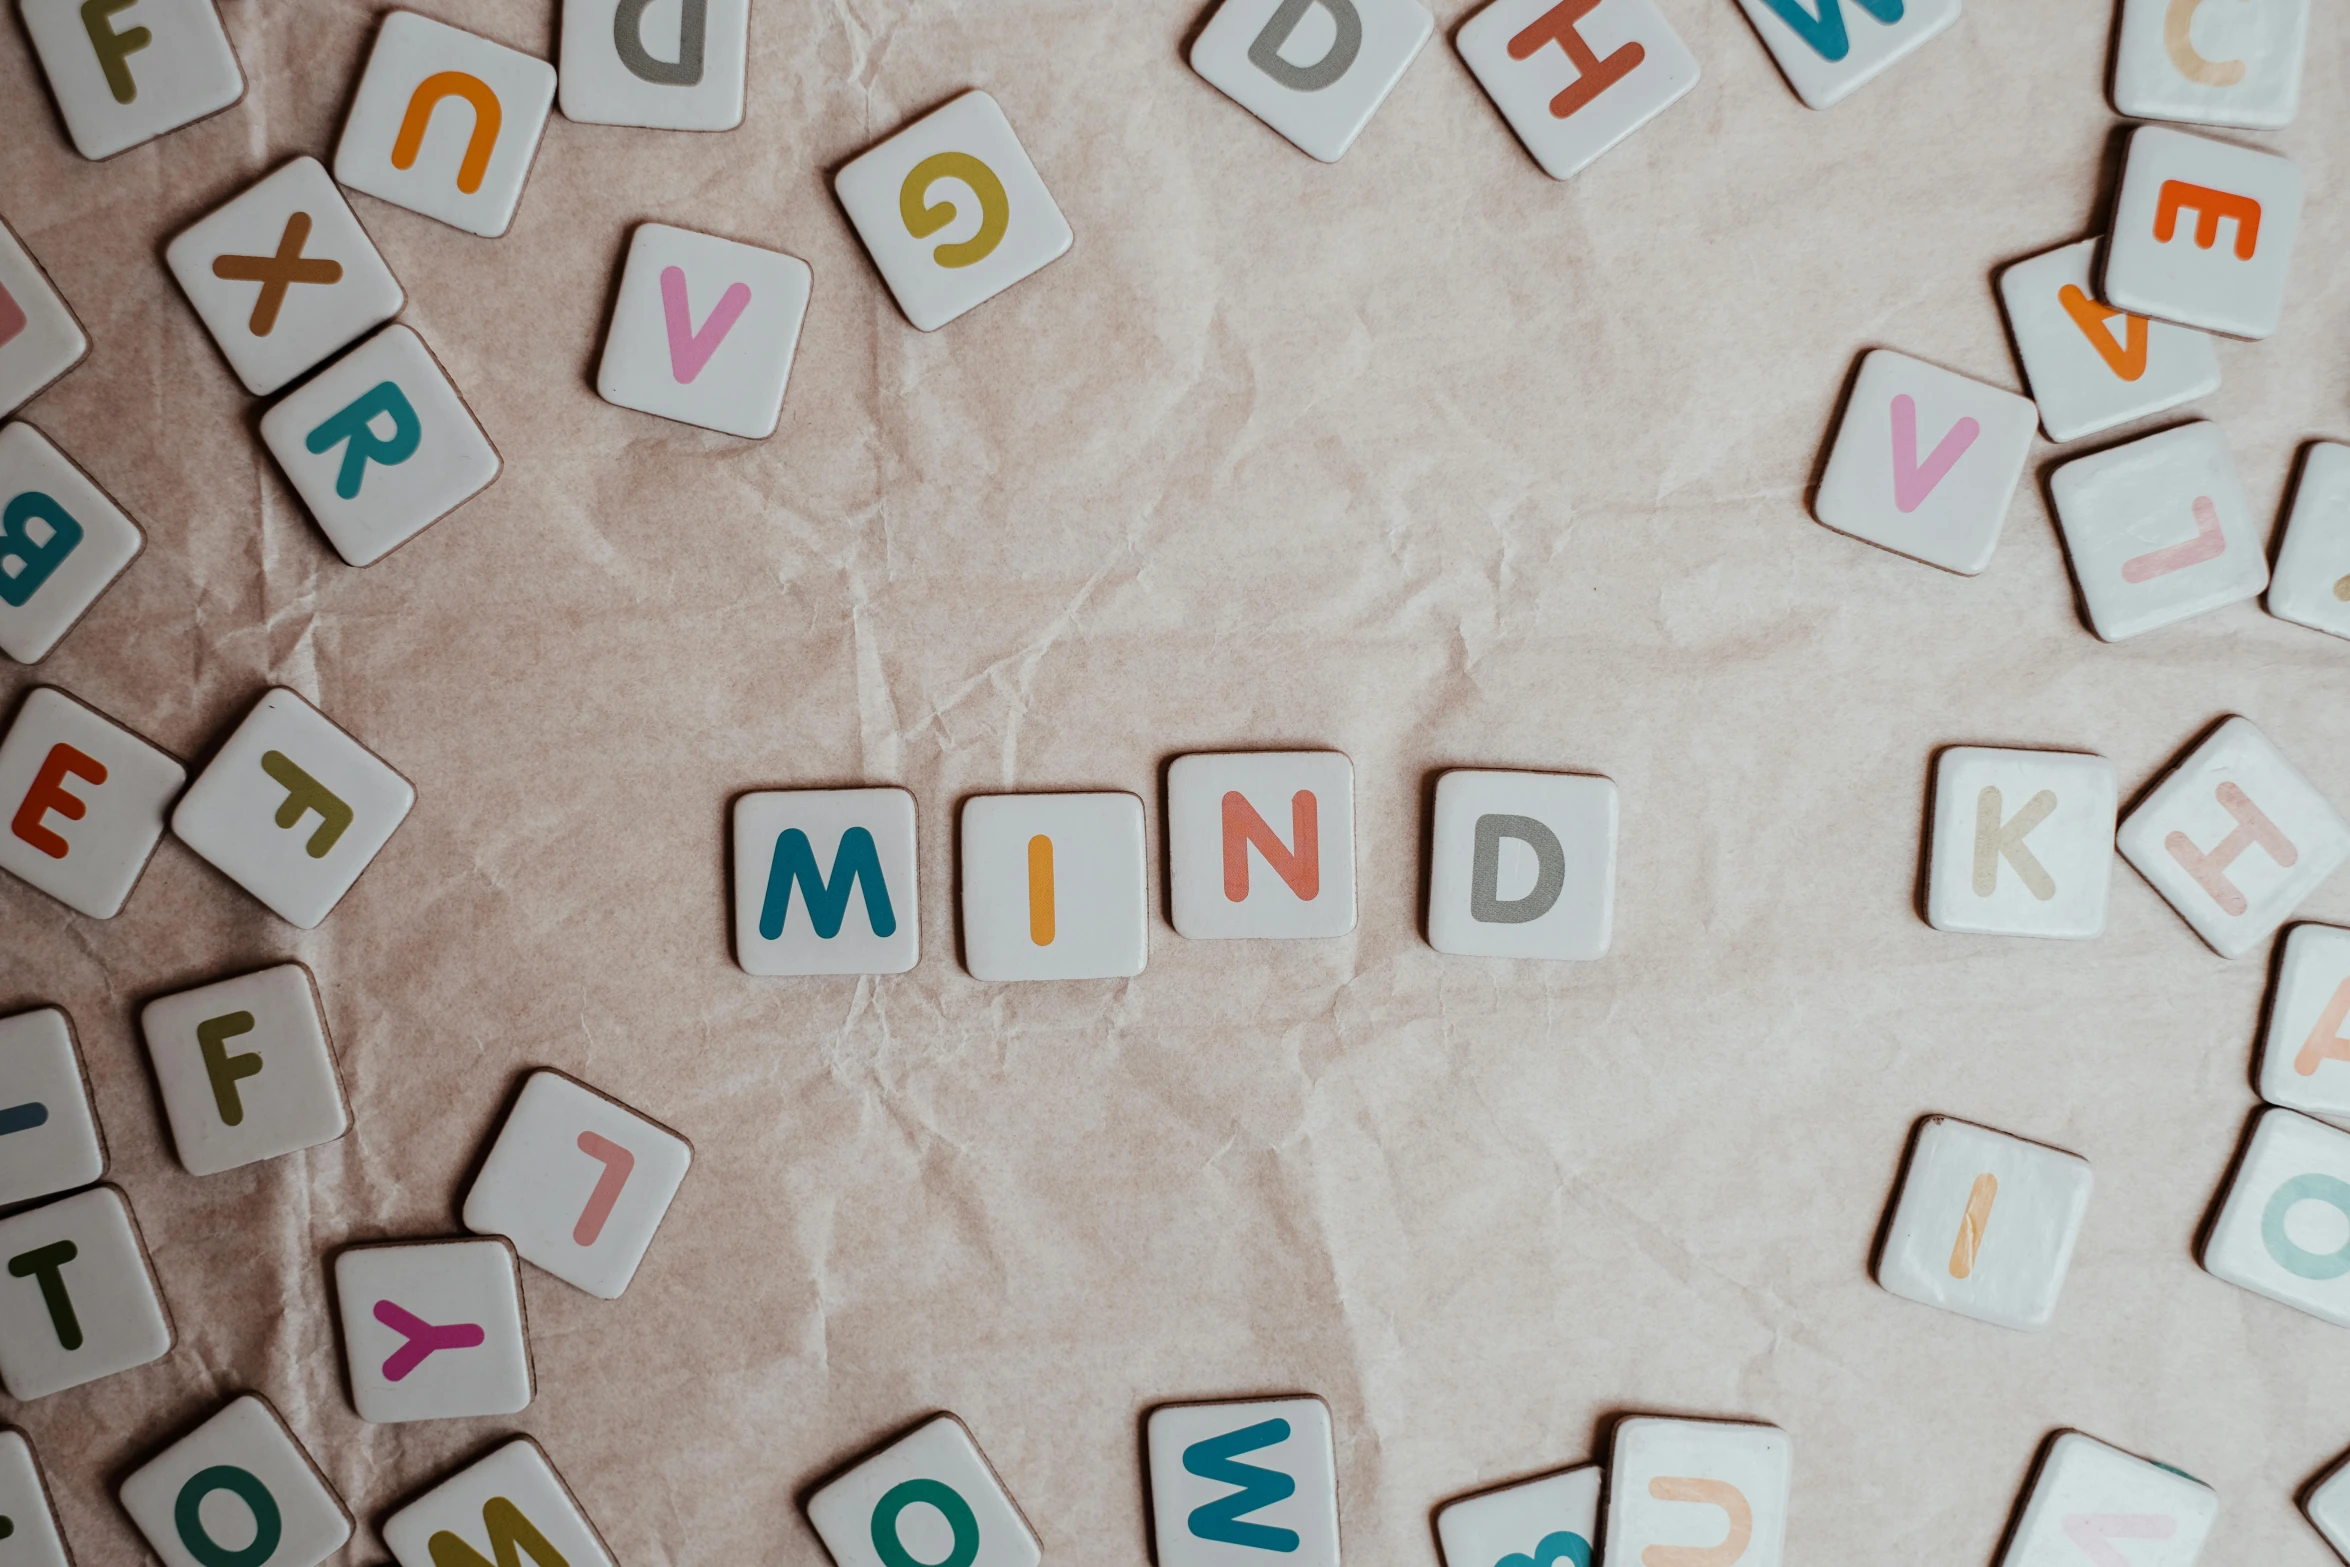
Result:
[
  {"x": 2092, "y": 1506},
  {"x": 1248, "y": 1481},
  {"x": 1524, "y": 865},
  {"x": 1552, "y": 1520},
  {"x": 63, "y": 541},
  {"x": 246, "y": 1070},
  {"x": 1314, "y": 70},
  {"x": 127, "y": 71},
  {"x": 2023, "y": 842},
  {"x": 677, "y": 66},
  {"x": 824, "y": 882},
  {"x": 237, "y": 1489},
  {"x": 433, "y": 1330},
  {"x": 77, "y": 1301},
  {"x": 82, "y": 802},
  {"x": 929, "y": 1496},
  {"x": 1698, "y": 1491},
  {"x": 292, "y": 809}
]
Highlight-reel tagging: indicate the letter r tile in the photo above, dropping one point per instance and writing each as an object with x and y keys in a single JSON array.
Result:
[
  {"x": 1313, "y": 70},
  {"x": 1523, "y": 865}
]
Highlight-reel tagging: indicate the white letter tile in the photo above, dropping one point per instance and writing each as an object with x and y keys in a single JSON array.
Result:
[
  {"x": 2305, "y": 1051},
  {"x": 1698, "y": 1483},
  {"x": 1984, "y": 1224},
  {"x": 2284, "y": 1231},
  {"x": 931, "y": 1491},
  {"x": 704, "y": 331},
  {"x": 2328, "y": 1507},
  {"x": 213, "y": 1496},
  {"x": 1054, "y": 887},
  {"x": 49, "y": 1137},
  {"x": 1314, "y": 70},
  {"x": 2159, "y": 531},
  {"x": 488, "y": 1505},
  {"x": 674, "y": 66},
  {"x": 433, "y": 1330},
  {"x": 1575, "y": 77},
  {"x": 1250, "y": 1481},
  {"x": 1828, "y": 48},
  {"x": 1261, "y": 843},
  {"x": 127, "y": 71},
  {"x": 84, "y": 800},
  {"x": 2094, "y": 1504},
  {"x": 824, "y": 882},
  {"x": 2212, "y": 62},
  {"x": 2091, "y": 366},
  {"x": 2312, "y": 582},
  {"x": 246, "y": 1069},
  {"x": 1524, "y": 865},
  {"x": 63, "y": 541},
  {"x": 1926, "y": 462},
  {"x": 1552, "y": 1520},
  {"x": 2023, "y": 842},
  {"x": 34, "y": 1540},
  {"x": 77, "y": 1300},
  {"x": 2203, "y": 233},
  {"x": 40, "y": 339}
]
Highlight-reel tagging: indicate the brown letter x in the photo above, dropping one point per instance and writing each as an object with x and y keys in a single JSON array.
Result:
[{"x": 273, "y": 273}]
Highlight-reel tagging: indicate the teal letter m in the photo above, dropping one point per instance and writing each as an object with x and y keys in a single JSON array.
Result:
[
  {"x": 1825, "y": 32},
  {"x": 1224, "y": 1520},
  {"x": 857, "y": 862}
]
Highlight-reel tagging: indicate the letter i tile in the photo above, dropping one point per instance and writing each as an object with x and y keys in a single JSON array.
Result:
[
  {"x": 40, "y": 339},
  {"x": 127, "y": 71},
  {"x": 704, "y": 330},
  {"x": 2235, "y": 838},
  {"x": 1698, "y": 1490},
  {"x": 63, "y": 541},
  {"x": 578, "y": 1182},
  {"x": 1054, "y": 887},
  {"x": 49, "y": 1137},
  {"x": 2159, "y": 531},
  {"x": 1985, "y": 1224},
  {"x": 508, "y": 1508},
  {"x": 675, "y": 67},
  {"x": 2022, "y": 842},
  {"x": 824, "y": 882},
  {"x": 34, "y": 1537},
  {"x": 77, "y": 1298},
  {"x": 1248, "y": 1481},
  {"x": 1314, "y": 70},
  {"x": 1524, "y": 865},
  {"x": 2093, "y": 1506},
  {"x": 433, "y": 1330},
  {"x": 237, "y": 1489},
  {"x": 1552, "y": 1520},
  {"x": 1575, "y": 77},
  {"x": 928, "y": 1496},
  {"x": 83, "y": 800},
  {"x": 246, "y": 1070},
  {"x": 292, "y": 809}
]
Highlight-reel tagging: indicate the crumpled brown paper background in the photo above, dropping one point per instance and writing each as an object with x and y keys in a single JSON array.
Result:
[{"x": 1422, "y": 456}]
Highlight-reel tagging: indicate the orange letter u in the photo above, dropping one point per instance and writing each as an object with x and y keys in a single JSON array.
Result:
[{"x": 486, "y": 116}]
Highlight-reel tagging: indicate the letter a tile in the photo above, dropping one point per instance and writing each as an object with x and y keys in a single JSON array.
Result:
[
  {"x": 704, "y": 331},
  {"x": 2097, "y": 1506},
  {"x": 2305, "y": 1051},
  {"x": 1261, "y": 844},
  {"x": 675, "y": 67},
  {"x": 1828, "y": 48},
  {"x": 292, "y": 809},
  {"x": 77, "y": 1299},
  {"x": 2312, "y": 582},
  {"x": 63, "y": 541},
  {"x": 2159, "y": 531},
  {"x": 928, "y": 1496},
  {"x": 1553, "y": 1520},
  {"x": 1926, "y": 462},
  {"x": 952, "y": 211},
  {"x": 2023, "y": 843},
  {"x": 509, "y": 1508},
  {"x": 214, "y": 1496},
  {"x": 2203, "y": 233},
  {"x": 2092, "y": 366},
  {"x": 433, "y": 1330},
  {"x": 2235, "y": 838},
  {"x": 246, "y": 1069},
  {"x": 40, "y": 339},
  {"x": 1250, "y": 1481},
  {"x": 2212, "y": 62},
  {"x": 1698, "y": 1490},
  {"x": 1524, "y": 865},
  {"x": 1575, "y": 77},
  {"x": 824, "y": 882},
  {"x": 1314, "y": 70},
  {"x": 83, "y": 800},
  {"x": 127, "y": 71},
  {"x": 445, "y": 123},
  {"x": 1984, "y": 1224}
]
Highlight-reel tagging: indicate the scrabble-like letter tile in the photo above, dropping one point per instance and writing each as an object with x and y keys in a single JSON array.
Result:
[
  {"x": 1250, "y": 1481},
  {"x": 34, "y": 1538},
  {"x": 238, "y": 1491},
  {"x": 1524, "y": 865},
  {"x": 433, "y": 1329},
  {"x": 1681, "y": 1488},
  {"x": 49, "y": 1140},
  {"x": 1553, "y": 1520},
  {"x": 445, "y": 123},
  {"x": 2284, "y": 1231},
  {"x": 39, "y": 338},
  {"x": 1314, "y": 70},
  {"x": 246, "y": 1069},
  {"x": 1926, "y": 462},
  {"x": 2235, "y": 838},
  {"x": 704, "y": 330},
  {"x": 2092, "y": 366},
  {"x": 84, "y": 799},
  {"x": 952, "y": 211},
  {"x": 2312, "y": 582},
  {"x": 63, "y": 541},
  {"x": 578, "y": 1182},
  {"x": 1575, "y": 77},
  {"x": 673, "y": 67},
  {"x": 824, "y": 882},
  {"x": 292, "y": 809},
  {"x": 1262, "y": 843},
  {"x": 2094, "y": 1504},
  {"x": 2023, "y": 842},
  {"x": 380, "y": 446},
  {"x": 2159, "y": 531},
  {"x": 2328, "y": 1507},
  {"x": 77, "y": 1299},
  {"x": 486, "y": 1512},
  {"x": 1828, "y": 48},
  {"x": 126, "y": 71},
  {"x": 2203, "y": 233},
  {"x": 283, "y": 275},
  {"x": 1984, "y": 1224},
  {"x": 2305, "y": 1052},
  {"x": 929, "y": 1496},
  {"x": 1054, "y": 886},
  {"x": 2213, "y": 62}
]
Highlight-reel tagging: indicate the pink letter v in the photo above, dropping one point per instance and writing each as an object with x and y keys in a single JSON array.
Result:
[
  {"x": 689, "y": 350},
  {"x": 1911, "y": 482}
]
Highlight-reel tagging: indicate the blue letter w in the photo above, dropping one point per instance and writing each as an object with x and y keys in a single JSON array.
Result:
[
  {"x": 795, "y": 861},
  {"x": 1221, "y": 1520},
  {"x": 1825, "y": 32}
]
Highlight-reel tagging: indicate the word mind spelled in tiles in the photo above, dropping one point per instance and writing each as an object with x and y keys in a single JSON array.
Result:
[
  {"x": 2235, "y": 838},
  {"x": 2159, "y": 530},
  {"x": 1054, "y": 886},
  {"x": 2091, "y": 366},
  {"x": 1828, "y": 48},
  {"x": 380, "y": 446},
  {"x": 1252, "y": 1480},
  {"x": 292, "y": 809},
  {"x": 2284, "y": 1231},
  {"x": 929, "y": 1496},
  {"x": 49, "y": 1138},
  {"x": 246, "y": 1069},
  {"x": 2094, "y": 1504},
  {"x": 77, "y": 1300},
  {"x": 39, "y": 338},
  {"x": 63, "y": 541},
  {"x": 126, "y": 71},
  {"x": 704, "y": 330},
  {"x": 1314, "y": 70},
  {"x": 2213, "y": 62},
  {"x": 238, "y": 1489},
  {"x": 506, "y": 1508},
  {"x": 1925, "y": 462},
  {"x": 2312, "y": 582},
  {"x": 84, "y": 800},
  {"x": 2305, "y": 1050},
  {"x": 1685, "y": 1490},
  {"x": 1575, "y": 77},
  {"x": 1984, "y": 1224},
  {"x": 34, "y": 1539},
  {"x": 1524, "y": 865},
  {"x": 676, "y": 67},
  {"x": 2023, "y": 842},
  {"x": 445, "y": 123},
  {"x": 433, "y": 1329},
  {"x": 1552, "y": 1521},
  {"x": 283, "y": 275},
  {"x": 1261, "y": 843},
  {"x": 578, "y": 1182},
  {"x": 2203, "y": 233},
  {"x": 952, "y": 211},
  {"x": 824, "y": 882}
]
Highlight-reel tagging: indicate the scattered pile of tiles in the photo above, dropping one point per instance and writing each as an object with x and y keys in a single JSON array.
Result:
[{"x": 379, "y": 444}]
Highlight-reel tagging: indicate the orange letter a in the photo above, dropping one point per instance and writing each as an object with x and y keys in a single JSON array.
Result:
[
  {"x": 2125, "y": 360},
  {"x": 1301, "y": 868}
]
